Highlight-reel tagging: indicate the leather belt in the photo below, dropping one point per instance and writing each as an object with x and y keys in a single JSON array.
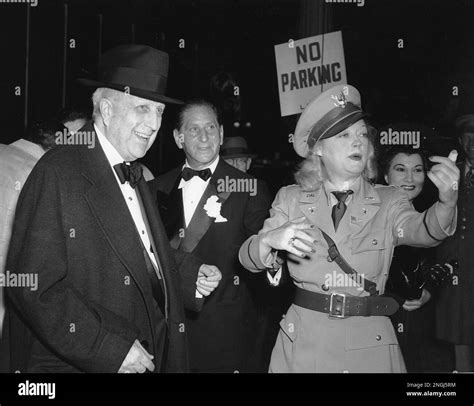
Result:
[{"x": 339, "y": 305}]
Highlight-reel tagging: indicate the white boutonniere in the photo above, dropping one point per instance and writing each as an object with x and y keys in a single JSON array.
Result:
[{"x": 213, "y": 209}]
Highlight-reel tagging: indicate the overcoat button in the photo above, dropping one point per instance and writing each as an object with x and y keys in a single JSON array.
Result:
[
  {"x": 463, "y": 227},
  {"x": 325, "y": 288},
  {"x": 374, "y": 242},
  {"x": 378, "y": 338}
]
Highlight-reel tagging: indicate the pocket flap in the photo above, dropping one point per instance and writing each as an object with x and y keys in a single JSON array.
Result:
[
  {"x": 375, "y": 240},
  {"x": 371, "y": 333}
]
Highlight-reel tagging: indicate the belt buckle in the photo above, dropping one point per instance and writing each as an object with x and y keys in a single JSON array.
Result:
[{"x": 336, "y": 310}]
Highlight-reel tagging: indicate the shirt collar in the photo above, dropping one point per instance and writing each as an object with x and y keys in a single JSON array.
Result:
[
  {"x": 211, "y": 166},
  {"x": 111, "y": 153},
  {"x": 329, "y": 187}
]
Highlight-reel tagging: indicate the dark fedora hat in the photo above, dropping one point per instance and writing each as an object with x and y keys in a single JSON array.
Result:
[
  {"x": 235, "y": 147},
  {"x": 136, "y": 69}
]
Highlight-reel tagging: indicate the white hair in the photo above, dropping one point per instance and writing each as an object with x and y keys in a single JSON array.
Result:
[{"x": 112, "y": 95}]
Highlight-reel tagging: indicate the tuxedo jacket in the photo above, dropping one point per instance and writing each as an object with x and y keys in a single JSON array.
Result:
[
  {"x": 74, "y": 231},
  {"x": 222, "y": 334}
]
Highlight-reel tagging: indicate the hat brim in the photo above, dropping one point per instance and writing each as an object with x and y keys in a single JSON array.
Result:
[
  {"x": 300, "y": 144},
  {"x": 145, "y": 94},
  {"x": 344, "y": 123}
]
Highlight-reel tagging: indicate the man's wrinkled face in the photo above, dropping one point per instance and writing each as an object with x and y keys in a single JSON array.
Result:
[
  {"x": 242, "y": 163},
  {"x": 200, "y": 136},
  {"x": 133, "y": 125}
]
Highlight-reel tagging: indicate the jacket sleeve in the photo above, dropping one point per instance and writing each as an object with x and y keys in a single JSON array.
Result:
[
  {"x": 188, "y": 268},
  {"x": 249, "y": 254},
  {"x": 418, "y": 229},
  {"x": 92, "y": 338}
]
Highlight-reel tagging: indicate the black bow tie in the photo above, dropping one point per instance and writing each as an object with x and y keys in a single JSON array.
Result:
[
  {"x": 131, "y": 173},
  {"x": 189, "y": 173}
]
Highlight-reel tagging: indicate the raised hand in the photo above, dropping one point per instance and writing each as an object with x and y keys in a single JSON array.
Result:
[{"x": 445, "y": 176}]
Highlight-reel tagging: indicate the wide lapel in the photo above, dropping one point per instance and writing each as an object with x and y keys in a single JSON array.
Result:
[
  {"x": 200, "y": 221},
  {"x": 363, "y": 208},
  {"x": 111, "y": 212},
  {"x": 315, "y": 207},
  {"x": 154, "y": 228},
  {"x": 173, "y": 215}
]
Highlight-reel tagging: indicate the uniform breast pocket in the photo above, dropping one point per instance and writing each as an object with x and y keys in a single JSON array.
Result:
[{"x": 373, "y": 241}]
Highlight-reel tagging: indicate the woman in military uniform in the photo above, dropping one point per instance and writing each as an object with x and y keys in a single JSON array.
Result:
[{"x": 339, "y": 232}]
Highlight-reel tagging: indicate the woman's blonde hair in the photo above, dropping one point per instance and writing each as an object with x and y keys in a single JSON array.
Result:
[{"x": 311, "y": 173}]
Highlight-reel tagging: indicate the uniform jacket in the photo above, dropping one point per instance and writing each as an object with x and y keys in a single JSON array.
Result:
[
  {"x": 377, "y": 219},
  {"x": 93, "y": 299},
  {"x": 221, "y": 335}
]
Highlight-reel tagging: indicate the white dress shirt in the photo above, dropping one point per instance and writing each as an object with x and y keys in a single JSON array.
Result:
[
  {"x": 193, "y": 189},
  {"x": 129, "y": 194}
]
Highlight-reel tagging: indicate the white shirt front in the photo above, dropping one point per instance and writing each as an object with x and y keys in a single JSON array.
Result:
[
  {"x": 129, "y": 194},
  {"x": 192, "y": 190}
]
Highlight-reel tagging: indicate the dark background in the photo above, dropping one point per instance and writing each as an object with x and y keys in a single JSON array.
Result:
[{"x": 412, "y": 84}]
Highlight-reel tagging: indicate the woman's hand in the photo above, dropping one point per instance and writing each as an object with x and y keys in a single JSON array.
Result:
[
  {"x": 291, "y": 237},
  {"x": 445, "y": 176},
  {"x": 411, "y": 305}
]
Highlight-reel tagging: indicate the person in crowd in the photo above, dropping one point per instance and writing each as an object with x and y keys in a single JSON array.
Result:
[
  {"x": 16, "y": 162},
  {"x": 73, "y": 119},
  {"x": 110, "y": 292},
  {"x": 413, "y": 276},
  {"x": 209, "y": 208},
  {"x": 455, "y": 307},
  {"x": 339, "y": 232},
  {"x": 235, "y": 152}
]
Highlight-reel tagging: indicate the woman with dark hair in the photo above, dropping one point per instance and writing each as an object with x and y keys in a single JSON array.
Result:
[
  {"x": 412, "y": 277},
  {"x": 339, "y": 232}
]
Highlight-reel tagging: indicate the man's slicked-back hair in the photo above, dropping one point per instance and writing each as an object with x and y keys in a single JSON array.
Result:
[{"x": 191, "y": 104}]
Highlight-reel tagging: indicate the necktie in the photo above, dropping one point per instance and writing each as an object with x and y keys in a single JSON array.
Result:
[
  {"x": 189, "y": 173},
  {"x": 131, "y": 173},
  {"x": 469, "y": 179},
  {"x": 339, "y": 209}
]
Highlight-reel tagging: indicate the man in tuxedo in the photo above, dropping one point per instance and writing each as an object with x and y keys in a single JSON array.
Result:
[
  {"x": 110, "y": 291},
  {"x": 209, "y": 209}
]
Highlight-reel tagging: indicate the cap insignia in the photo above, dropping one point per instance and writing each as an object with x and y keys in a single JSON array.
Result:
[{"x": 340, "y": 101}]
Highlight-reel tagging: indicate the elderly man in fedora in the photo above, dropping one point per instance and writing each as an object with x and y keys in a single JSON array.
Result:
[
  {"x": 111, "y": 293},
  {"x": 235, "y": 152}
]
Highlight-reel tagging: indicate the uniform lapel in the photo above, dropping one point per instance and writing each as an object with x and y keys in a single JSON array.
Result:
[
  {"x": 200, "y": 222},
  {"x": 316, "y": 209}
]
